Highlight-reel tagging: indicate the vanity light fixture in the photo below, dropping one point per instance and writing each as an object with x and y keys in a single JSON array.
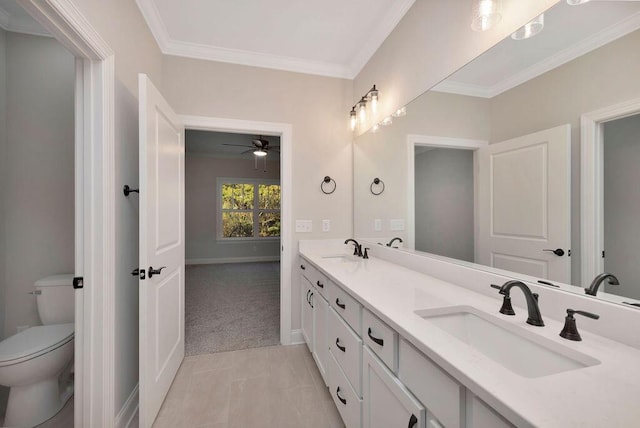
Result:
[
  {"x": 529, "y": 29},
  {"x": 485, "y": 14},
  {"x": 358, "y": 113},
  {"x": 576, "y": 2},
  {"x": 386, "y": 121},
  {"x": 402, "y": 111}
]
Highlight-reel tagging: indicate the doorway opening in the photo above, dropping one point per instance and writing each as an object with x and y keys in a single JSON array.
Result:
[
  {"x": 606, "y": 199},
  {"x": 232, "y": 240}
]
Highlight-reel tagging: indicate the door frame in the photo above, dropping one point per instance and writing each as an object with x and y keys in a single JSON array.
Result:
[
  {"x": 94, "y": 207},
  {"x": 413, "y": 141},
  {"x": 592, "y": 184},
  {"x": 285, "y": 132}
]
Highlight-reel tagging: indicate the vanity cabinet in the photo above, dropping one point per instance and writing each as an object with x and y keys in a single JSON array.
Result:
[
  {"x": 314, "y": 315},
  {"x": 346, "y": 347},
  {"x": 481, "y": 415},
  {"x": 439, "y": 392},
  {"x": 381, "y": 339},
  {"x": 386, "y": 401}
]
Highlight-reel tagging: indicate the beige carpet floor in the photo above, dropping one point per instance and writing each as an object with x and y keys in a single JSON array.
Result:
[{"x": 231, "y": 306}]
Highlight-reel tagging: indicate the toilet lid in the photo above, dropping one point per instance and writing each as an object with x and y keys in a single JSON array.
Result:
[{"x": 34, "y": 341}]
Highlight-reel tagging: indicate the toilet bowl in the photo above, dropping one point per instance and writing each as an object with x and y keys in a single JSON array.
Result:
[
  {"x": 30, "y": 364},
  {"x": 36, "y": 362}
]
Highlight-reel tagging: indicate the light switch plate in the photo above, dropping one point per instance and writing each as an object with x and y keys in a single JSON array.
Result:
[
  {"x": 396, "y": 224},
  {"x": 377, "y": 225},
  {"x": 326, "y": 225},
  {"x": 304, "y": 226}
]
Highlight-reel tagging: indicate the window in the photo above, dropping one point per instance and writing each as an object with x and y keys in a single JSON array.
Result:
[{"x": 248, "y": 209}]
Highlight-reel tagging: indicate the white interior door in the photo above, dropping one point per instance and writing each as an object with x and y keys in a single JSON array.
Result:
[
  {"x": 161, "y": 248},
  {"x": 525, "y": 204}
]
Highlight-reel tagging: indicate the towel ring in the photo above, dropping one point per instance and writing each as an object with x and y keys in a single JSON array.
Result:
[
  {"x": 376, "y": 181},
  {"x": 328, "y": 180}
]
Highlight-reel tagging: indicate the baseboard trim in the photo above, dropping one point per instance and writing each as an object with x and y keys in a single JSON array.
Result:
[
  {"x": 214, "y": 261},
  {"x": 129, "y": 410},
  {"x": 296, "y": 337}
]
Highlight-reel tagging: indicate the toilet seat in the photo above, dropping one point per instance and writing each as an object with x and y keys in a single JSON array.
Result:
[{"x": 34, "y": 342}]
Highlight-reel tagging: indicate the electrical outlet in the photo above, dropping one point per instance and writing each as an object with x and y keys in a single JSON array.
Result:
[
  {"x": 304, "y": 226},
  {"x": 377, "y": 225},
  {"x": 396, "y": 224},
  {"x": 326, "y": 225}
]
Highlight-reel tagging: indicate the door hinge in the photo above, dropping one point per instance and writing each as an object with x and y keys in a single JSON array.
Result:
[{"x": 78, "y": 282}]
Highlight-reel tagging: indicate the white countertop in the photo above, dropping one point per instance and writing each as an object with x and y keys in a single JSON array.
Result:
[{"x": 604, "y": 395}]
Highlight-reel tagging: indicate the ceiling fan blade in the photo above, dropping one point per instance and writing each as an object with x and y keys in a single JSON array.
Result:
[
  {"x": 236, "y": 145},
  {"x": 248, "y": 151}
]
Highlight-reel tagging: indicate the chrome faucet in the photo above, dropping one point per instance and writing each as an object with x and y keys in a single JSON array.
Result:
[
  {"x": 593, "y": 288},
  {"x": 357, "y": 251},
  {"x": 535, "y": 318},
  {"x": 394, "y": 240}
]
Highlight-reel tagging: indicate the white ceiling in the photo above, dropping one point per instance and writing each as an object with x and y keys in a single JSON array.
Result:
[
  {"x": 331, "y": 37},
  {"x": 569, "y": 32},
  {"x": 14, "y": 18}
]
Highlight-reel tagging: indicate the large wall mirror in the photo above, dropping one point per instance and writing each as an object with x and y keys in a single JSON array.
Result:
[{"x": 525, "y": 160}]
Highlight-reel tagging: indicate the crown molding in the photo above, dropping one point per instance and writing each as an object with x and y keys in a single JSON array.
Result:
[
  {"x": 379, "y": 35},
  {"x": 255, "y": 59},
  {"x": 23, "y": 26},
  {"x": 169, "y": 46},
  {"x": 628, "y": 25}
]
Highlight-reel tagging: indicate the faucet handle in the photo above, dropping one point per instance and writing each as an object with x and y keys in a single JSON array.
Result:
[
  {"x": 570, "y": 330},
  {"x": 506, "y": 308},
  {"x": 366, "y": 253},
  {"x": 497, "y": 287},
  {"x": 571, "y": 312}
]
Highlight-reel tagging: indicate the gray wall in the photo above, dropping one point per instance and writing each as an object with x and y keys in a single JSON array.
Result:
[
  {"x": 201, "y": 198},
  {"x": 603, "y": 77},
  {"x": 622, "y": 204},
  {"x": 39, "y": 183},
  {"x": 444, "y": 202}
]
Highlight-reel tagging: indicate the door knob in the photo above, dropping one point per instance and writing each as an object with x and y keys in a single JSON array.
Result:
[
  {"x": 558, "y": 252},
  {"x": 153, "y": 271}
]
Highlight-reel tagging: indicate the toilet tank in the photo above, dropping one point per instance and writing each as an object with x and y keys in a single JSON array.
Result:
[{"x": 55, "y": 299}]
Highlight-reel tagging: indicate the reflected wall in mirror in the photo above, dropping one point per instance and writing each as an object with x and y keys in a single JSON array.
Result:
[{"x": 486, "y": 166}]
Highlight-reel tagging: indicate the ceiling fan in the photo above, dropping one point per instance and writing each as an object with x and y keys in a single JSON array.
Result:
[{"x": 259, "y": 146}]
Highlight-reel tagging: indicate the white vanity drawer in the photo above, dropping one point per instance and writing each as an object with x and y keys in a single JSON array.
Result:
[
  {"x": 347, "y": 401},
  {"x": 346, "y": 306},
  {"x": 382, "y": 339},
  {"x": 439, "y": 392},
  {"x": 346, "y": 347},
  {"x": 316, "y": 278}
]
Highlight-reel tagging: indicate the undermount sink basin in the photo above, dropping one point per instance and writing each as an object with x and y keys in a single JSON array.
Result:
[
  {"x": 511, "y": 346},
  {"x": 342, "y": 259}
]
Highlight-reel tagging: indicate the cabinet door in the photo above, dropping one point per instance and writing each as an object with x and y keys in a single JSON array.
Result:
[
  {"x": 386, "y": 401},
  {"x": 306, "y": 294},
  {"x": 321, "y": 345}
]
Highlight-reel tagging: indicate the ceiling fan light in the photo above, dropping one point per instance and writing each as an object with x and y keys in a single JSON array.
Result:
[
  {"x": 485, "y": 15},
  {"x": 530, "y": 29},
  {"x": 576, "y": 2},
  {"x": 259, "y": 152}
]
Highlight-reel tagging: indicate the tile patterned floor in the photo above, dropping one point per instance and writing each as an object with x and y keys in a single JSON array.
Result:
[{"x": 277, "y": 386}]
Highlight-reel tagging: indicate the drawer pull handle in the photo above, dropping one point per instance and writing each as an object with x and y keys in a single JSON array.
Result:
[
  {"x": 321, "y": 285},
  {"x": 343, "y": 400},
  {"x": 302, "y": 267},
  {"x": 413, "y": 421},
  {"x": 340, "y": 305},
  {"x": 311, "y": 300},
  {"x": 375, "y": 339},
  {"x": 308, "y": 291},
  {"x": 342, "y": 348}
]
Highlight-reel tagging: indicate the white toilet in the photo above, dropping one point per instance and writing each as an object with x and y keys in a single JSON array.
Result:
[{"x": 36, "y": 362}]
